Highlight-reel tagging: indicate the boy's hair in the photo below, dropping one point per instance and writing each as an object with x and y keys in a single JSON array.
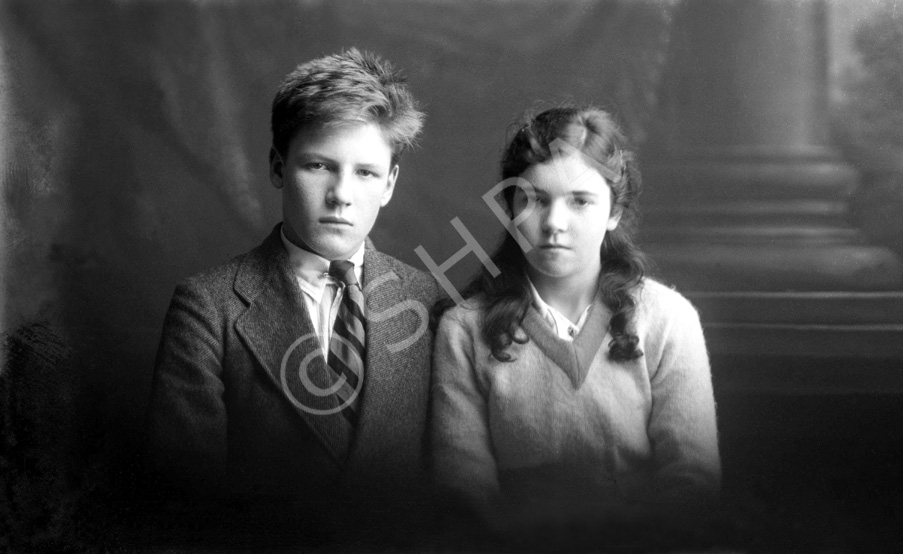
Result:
[{"x": 351, "y": 86}]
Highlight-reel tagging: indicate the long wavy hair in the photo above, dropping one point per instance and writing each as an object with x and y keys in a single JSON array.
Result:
[{"x": 507, "y": 297}]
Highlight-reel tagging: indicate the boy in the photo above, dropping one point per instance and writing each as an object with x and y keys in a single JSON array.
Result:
[{"x": 299, "y": 371}]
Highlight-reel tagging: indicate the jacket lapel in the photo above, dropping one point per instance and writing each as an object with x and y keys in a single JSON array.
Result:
[
  {"x": 390, "y": 382},
  {"x": 278, "y": 331}
]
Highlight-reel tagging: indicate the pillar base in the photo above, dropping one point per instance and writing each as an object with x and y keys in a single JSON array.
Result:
[
  {"x": 735, "y": 267},
  {"x": 735, "y": 222}
]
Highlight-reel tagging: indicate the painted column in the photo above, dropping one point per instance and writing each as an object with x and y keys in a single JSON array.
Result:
[{"x": 744, "y": 188}]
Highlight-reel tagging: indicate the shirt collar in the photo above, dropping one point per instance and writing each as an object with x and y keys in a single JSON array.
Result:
[
  {"x": 563, "y": 326},
  {"x": 312, "y": 270}
]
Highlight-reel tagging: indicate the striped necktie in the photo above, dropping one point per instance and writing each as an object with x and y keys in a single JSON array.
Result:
[{"x": 346, "y": 347}]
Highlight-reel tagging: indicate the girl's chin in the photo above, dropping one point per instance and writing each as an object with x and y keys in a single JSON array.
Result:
[
  {"x": 540, "y": 269},
  {"x": 544, "y": 271}
]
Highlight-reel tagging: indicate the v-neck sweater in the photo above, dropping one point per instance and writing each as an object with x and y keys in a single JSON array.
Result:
[{"x": 562, "y": 422}]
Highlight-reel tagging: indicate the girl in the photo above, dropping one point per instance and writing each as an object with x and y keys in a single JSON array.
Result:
[{"x": 570, "y": 380}]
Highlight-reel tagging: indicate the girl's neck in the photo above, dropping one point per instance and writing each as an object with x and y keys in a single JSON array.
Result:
[{"x": 570, "y": 295}]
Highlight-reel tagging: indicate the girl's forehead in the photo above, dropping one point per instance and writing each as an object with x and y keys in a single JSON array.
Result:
[{"x": 565, "y": 175}]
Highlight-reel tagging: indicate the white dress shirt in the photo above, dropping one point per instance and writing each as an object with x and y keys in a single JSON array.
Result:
[
  {"x": 322, "y": 294},
  {"x": 563, "y": 326}
]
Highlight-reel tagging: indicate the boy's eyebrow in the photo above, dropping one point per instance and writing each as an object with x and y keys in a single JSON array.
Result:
[
  {"x": 313, "y": 154},
  {"x": 307, "y": 154}
]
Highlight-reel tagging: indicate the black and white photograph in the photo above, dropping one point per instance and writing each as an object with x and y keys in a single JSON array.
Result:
[{"x": 442, "y": 276}]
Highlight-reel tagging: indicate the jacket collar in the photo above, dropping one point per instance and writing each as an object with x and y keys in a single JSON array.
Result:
[{"x": 278, "y": 331}]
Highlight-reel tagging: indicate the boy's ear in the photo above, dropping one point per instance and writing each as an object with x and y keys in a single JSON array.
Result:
[
  {"x": 390, "y": 185},
  {"x": 276, "y": 166}
]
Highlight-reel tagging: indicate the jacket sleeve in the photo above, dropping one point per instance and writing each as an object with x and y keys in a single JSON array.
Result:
[
  {"x": 186, "y": 424},
  {"x": 462, "y": 459},
  {"x": 682, "y": 425}
]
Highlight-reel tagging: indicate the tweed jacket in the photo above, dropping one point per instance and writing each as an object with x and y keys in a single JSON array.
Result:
[{"x": 231, "y": 413}]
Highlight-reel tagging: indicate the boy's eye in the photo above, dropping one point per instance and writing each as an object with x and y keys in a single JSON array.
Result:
[
  {"x": 366, "y": 173},
  {"x": 315, "y": 166},
  {"x": 581, "y": 202}
]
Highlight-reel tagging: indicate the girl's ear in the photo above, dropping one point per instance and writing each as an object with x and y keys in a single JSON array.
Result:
[{"x": 614, "y": 219}]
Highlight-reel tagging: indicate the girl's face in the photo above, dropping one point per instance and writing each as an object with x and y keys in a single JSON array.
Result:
[{"x": 569, "y": 220}]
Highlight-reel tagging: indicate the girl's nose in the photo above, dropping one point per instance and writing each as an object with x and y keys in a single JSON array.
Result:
[{"x": 555, "y": 218}]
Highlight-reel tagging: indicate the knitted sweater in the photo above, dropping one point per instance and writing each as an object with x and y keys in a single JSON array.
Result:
[{"x": 564, "y": 424}]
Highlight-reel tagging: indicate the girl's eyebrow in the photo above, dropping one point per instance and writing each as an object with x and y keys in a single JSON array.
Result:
[{"x": 588, "y": 193}]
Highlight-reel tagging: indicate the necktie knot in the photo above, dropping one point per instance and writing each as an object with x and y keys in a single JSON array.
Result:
[{"x": 343, "y": 270}]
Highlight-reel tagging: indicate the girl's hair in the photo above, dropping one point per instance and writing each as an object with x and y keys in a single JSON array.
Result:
[{"x": 592, "y": 132}]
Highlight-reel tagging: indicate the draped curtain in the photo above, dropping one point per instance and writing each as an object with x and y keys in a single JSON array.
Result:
[{"x": 134, "y": 138}]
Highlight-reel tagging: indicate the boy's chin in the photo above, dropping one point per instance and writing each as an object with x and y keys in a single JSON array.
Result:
[{"x": 338, "y": 250}]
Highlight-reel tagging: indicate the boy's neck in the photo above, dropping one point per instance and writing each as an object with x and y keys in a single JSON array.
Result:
[{"x": 293, "y": 238}]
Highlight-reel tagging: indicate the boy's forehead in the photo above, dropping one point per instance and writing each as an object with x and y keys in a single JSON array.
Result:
[{"x": 361, "y": 138}]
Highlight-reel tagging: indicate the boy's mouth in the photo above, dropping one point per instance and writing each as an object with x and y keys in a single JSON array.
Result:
[{"x": 335, "y": 221}]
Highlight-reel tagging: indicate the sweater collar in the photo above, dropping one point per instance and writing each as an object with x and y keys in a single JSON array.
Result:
[{"x": 573, "y": 357}]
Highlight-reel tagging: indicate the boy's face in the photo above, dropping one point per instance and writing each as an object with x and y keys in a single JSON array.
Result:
[{"x": 334, "y": 181}]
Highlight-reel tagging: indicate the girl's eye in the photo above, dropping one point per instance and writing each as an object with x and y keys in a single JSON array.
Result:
[{"x": 581, "y": 202}]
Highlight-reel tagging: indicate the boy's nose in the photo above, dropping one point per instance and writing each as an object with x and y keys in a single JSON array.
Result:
[{"x": 340, "y": 191}]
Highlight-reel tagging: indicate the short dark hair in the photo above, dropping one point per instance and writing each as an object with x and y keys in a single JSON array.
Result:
[{"x": 350, "y": 86}]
